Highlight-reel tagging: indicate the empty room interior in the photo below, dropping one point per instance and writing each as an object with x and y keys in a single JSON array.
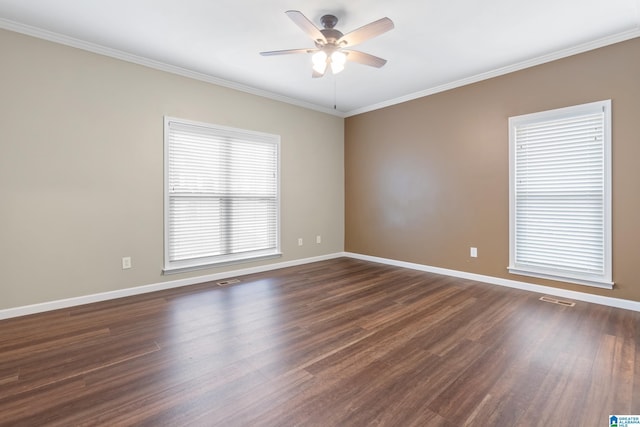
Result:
[{"x": 322, "y": 214}]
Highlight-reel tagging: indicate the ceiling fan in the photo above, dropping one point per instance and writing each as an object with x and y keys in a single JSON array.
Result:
[{"x": 332, "y": 47}]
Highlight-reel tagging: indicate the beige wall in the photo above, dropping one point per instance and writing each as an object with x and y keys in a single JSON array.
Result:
[
  {"x": 427, "y": 179},
  {"x": 81, "y": 169}
]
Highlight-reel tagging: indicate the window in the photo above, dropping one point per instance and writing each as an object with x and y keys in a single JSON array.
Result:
[
  {"x": 560, "y": 194},
  {"x": 221, "y": 195}
]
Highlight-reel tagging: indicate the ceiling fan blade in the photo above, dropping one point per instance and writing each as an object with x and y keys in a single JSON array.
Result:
[
  {"x": 366, "y": 32},
  {"x": 364, "y": 58},
  {"x": 307, "y": 26},
  {"x": 316, "y": 74},
  {"x": 286, "y": 52}
]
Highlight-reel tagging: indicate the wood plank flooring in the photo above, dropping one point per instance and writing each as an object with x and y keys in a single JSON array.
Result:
[{"x": 335, "y": 343}]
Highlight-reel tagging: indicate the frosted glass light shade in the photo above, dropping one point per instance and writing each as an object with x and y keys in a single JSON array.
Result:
[
  {"x": 319, "y": 62},
  {"x": 338, "y": 60}
]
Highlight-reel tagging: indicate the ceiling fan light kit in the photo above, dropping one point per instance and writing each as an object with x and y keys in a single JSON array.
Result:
[
  {"x": 331, "y": 45},
  {"x": 321, "y": 60}
]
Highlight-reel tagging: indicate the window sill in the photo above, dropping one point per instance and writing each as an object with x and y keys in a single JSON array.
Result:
[
  {"x": 594, "y": 283},
  {"x": 194, "y": 267}
]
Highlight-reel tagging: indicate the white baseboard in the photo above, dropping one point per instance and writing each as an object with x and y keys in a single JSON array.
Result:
[
  {"x": 579, "y": 296},
  {"x": 120, "y": 293},
  {"x": 104, "y": 296}
]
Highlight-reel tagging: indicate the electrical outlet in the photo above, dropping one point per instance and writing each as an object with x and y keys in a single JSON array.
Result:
[
  {"x": 300, "y": 241},
  {"x": 126, "y": 262},
  {"x": 318, "y": 239},
  {"x": 473, "y": 252}
]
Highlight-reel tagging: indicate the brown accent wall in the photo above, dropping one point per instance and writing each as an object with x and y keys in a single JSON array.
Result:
[{"x": 427, "y": 179}]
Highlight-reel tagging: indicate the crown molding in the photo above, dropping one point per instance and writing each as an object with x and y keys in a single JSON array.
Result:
[
  {"x": 156, "y": 65},
  {"x": 161, "y": 66},
  {"x": 585, "y": 47}
]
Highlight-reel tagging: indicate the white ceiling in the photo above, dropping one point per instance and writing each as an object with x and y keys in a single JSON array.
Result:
[{"x": 436, "y": 44}]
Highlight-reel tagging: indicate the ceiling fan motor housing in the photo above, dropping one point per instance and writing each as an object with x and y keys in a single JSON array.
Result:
[
  {"x": 330, "y": 34},
  {"x": 329, "y": 21}
]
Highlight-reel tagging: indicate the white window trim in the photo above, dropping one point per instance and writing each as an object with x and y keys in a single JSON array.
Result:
[
  {"x": 191, "y": 265},
  {"x": 601, "y": 281}
]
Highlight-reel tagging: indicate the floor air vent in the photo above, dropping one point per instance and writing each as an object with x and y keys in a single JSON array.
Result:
[
  {"x": 557, "y": 301},
  {"x": 227, "y": 282}
]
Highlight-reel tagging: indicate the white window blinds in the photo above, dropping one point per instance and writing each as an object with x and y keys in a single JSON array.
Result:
[
  {"x": 221, "y": 194},
  {"x": 560, "y": 194}
]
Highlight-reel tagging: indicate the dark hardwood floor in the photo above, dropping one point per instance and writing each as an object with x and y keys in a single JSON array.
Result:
[{"x": 336, "y": 343}]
